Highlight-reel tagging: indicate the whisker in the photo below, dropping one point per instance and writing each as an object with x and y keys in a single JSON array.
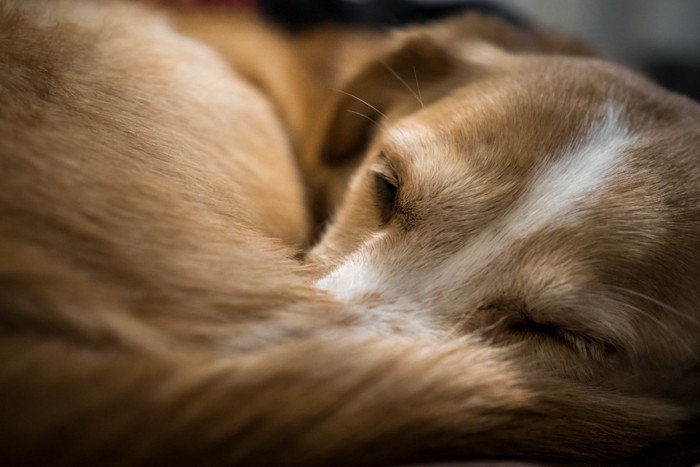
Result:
[
  {"x": 402, "y": 81},
  {"x": 420, "y": 97},
  {"x": 664, "y": 327},
  {"x": 360, "y": 100},
  {"x": 659, "y": 303},
  {"x": 487, "y": 329},
  {"x": 376, "y": 122}
]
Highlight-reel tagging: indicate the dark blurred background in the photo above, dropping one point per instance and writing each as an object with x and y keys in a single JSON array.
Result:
[
  {"x": 658, "y": 37},
  {"x": 661, "y": 37}
]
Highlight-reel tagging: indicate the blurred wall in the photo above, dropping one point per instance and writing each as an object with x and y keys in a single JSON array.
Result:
[
  {"x": 635, "y": 32},
  {"x": 658, "y": 37}
]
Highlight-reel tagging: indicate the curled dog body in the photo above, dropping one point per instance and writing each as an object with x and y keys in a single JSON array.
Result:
[{"x": 508, "y": 269}]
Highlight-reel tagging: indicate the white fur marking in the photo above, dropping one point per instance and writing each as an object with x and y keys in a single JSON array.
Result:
[
  {"x": 349, "y": 281},
  {"x": 555, "y": 197},
  {"x": 574, "y": 178},
  {"x": 353, "y": 278}
]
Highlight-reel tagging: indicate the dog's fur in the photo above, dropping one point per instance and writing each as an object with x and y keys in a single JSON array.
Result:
[{"x": 511, "y": 271}]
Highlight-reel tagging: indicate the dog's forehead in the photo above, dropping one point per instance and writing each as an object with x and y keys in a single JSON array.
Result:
[
  {"x": 551, "y": 143},
  {"x": 553, "y": 173},
  {"x": 416, "y": 144},
  {"x": 535, "y": 105},
  {"x": 537, "y": 189},
  {"x": 496, "y": 134}
]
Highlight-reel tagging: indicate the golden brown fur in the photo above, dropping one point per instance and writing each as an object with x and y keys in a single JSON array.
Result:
[{"x": 152, "y": 311}]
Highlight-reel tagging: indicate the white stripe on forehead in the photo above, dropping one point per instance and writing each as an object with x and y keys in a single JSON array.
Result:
[
  {"x": 576, "y": 176},
  {"x": 555, "y": 196}
]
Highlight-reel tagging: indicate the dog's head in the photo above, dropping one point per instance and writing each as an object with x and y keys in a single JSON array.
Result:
[{"x": 547, "y": 202}]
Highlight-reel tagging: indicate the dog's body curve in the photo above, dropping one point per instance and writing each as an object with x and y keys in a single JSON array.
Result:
[{"x": 151, "y": 306}]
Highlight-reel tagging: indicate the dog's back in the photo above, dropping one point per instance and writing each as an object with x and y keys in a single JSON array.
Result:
[
  {"x": 150, "y": 309},
  {"x": 134, "y": 155}
]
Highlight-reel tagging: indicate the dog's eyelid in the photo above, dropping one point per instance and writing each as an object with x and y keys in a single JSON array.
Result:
[
  {"x": 386, "y": 194},
  {"x": 583, "y": 343},
  {"x": 520, "y": 319},
  {"x": 387, "y": 169}
]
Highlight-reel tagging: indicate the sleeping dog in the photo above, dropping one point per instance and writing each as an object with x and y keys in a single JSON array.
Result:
[{"x": 508, "y": 270}]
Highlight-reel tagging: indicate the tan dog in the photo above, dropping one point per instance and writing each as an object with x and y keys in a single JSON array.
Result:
[
  {"x": 544, "y": 199},
  {"x": 514, "y": 260}
]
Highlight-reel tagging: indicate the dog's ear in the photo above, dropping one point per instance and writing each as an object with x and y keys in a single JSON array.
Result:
[
  {"x": 414, "y": 60},
  {"x": 395, "y": 76}
]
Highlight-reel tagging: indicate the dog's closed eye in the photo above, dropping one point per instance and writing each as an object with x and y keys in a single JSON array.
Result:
[
  {"x": 386, "y": 188},
  {"x": 387, "y": 193},
  {"x": 581, "y": 343},
  {"x": 520, "y": 323}
]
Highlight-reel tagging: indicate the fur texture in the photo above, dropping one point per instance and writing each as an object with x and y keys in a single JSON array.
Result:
[{"x": 151, "y": 212}]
